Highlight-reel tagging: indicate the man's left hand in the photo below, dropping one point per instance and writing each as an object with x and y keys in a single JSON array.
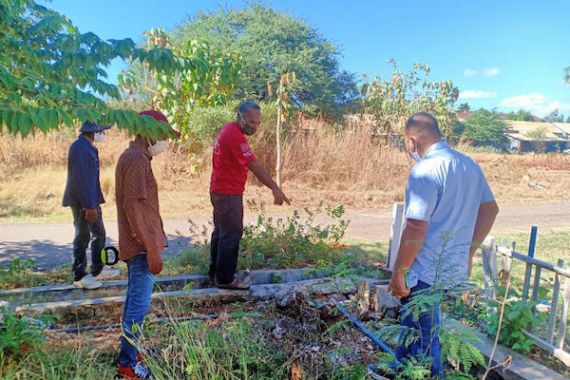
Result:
[{"x": 398, "y": 285}]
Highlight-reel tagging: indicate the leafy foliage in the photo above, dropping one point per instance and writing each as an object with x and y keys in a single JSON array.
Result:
[
  {"x": 292, "y": 242},
  {"x": 270, "y": 43},
  {"x": 554, "y": 117},
  {"x": 459, "y": 352},
  {"x": 209, "y": 81},
  {"x": 411, "y": 369},
  {"x": 518, "y": 316},
  {"x": 288, "y": 243},
  {"x": 52, "y": 75},
  {"x": 18, "y": 334},
  {"x": 484, "y": 127},
  {"x": 520, "y": 115},
  {"x": 393, "y": 101}
]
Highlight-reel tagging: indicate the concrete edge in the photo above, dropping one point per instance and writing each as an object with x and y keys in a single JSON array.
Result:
[
  {"x": 521, "y": 367},
  {"x": 325, "y": 285}
]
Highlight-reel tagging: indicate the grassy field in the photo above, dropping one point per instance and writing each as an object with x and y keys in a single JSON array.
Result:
[{"x": 349, "y": 169}]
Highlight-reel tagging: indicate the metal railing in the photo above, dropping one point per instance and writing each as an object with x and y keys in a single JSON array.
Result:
[{"x": 554, "y": 342}]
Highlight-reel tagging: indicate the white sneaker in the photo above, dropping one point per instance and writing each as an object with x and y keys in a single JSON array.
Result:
[
  {"x": 107, "y": 274},
  {"x": 87, "y": 282}
]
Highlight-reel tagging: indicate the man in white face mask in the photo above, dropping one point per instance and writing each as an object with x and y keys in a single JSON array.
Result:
[
  {"x": 449, "y": 211},
  {"x": 83, "y": 195},
  {"x": 141, "y": 239}
]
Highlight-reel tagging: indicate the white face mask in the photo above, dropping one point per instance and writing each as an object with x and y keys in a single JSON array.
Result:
[
  {"x": 158, "y": 148},
  {"x": 99, "y": 136}
]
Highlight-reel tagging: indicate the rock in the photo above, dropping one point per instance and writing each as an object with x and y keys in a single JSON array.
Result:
[{"x": 278, "y": 332}]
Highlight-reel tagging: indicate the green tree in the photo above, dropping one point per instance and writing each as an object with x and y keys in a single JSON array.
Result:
[
  {"x": 484, "y": 127},
  {"x": 520, "y": 115},
  {"x": 270, "y": 43},
  {"x": 209, "y": 82},
  {"x": 554, "y": 117},
  {"x": 393, "y": 101},
  {"x": 464, "y": 107},
  {"x": 52, "y": 75}
]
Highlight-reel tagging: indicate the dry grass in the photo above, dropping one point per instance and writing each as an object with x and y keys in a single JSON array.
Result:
[{"x": 335, "y": 168}]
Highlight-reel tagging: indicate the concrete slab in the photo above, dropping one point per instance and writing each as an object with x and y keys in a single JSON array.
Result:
[
  {"x": 68, "y": 292},
  {"x": 521, "y": 368},
  {"x": 105, "y": 307}
]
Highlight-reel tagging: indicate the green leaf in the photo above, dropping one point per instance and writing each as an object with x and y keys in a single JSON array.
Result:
[
  {"x": 25, "y": 124},
  {"x": 39, "y": 120}
]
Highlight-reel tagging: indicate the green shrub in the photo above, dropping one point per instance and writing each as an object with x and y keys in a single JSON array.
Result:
[
  {"x": 278, "y": 243},
  {"x": 18, "y": 334},
  {"x": 484, "y": 127},
  {"x": 518, "y": 316}
]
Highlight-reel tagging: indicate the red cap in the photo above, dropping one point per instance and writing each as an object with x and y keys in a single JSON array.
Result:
[{"x": 159, "y": 116}]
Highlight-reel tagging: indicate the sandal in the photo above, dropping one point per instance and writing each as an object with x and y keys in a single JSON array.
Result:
[{"x": 235, "y": 285}]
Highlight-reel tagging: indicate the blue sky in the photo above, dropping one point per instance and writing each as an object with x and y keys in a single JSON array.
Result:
[{"x": 507, "y": 54}]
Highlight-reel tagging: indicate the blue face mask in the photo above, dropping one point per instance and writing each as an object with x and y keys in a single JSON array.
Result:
[{"x": 416, "y": 156}]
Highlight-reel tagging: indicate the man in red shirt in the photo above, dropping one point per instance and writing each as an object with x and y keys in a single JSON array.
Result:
[{"x": 231, "y": 160}]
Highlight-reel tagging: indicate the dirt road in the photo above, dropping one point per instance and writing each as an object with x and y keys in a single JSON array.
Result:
[{"x": 50, "y": 244}]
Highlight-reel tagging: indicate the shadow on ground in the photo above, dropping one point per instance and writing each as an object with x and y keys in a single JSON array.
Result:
[{"x": 47, "y": 254}]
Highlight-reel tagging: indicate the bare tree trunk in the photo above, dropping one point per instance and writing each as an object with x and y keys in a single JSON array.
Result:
[{"x": 278, "y": 136}]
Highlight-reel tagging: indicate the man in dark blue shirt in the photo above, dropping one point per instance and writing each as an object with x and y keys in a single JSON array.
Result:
[{"x": 83, "y": 195}]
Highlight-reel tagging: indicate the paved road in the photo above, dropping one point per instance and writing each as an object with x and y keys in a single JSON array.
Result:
[{"x": 50, "y": 244}]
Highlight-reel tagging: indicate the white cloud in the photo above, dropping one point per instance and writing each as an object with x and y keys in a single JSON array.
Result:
[
  {"x": 491, "y": 71},
  {"x": 536, "y": 103},
  {"x": 488, "y": 72},
  {"x": 476, "y": 94}
]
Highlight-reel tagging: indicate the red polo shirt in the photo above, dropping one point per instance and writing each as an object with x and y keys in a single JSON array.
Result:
[{"x": 229, "y": 161}]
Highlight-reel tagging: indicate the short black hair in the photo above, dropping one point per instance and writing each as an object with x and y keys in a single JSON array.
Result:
[
  {"x": 424, "y": 122},
  {"x": 247, "y": 105}
]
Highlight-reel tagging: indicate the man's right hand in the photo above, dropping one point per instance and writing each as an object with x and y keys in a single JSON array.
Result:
[
  {"x": 279, "y": 197},
  {"x": 91, "y": 214},
  {"x": 154, "y": 262}
]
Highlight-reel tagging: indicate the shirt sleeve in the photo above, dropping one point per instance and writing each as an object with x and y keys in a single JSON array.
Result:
[
  {"x": 134, "y": 181},
  {"x": 486, "y": 192},
  {"x": 421, "y": 196},
  {"x": 240, "y": 150}
]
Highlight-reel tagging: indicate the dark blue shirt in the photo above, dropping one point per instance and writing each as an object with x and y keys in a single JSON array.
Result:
[{"x": 83, "y": 188}]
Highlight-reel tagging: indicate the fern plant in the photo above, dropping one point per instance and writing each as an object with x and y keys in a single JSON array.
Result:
[{"x": 460, "y": 353}]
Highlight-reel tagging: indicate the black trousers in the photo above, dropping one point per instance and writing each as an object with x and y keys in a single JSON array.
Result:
[
  {"x": 84, "y": 232},
  {"x": 228, "y": 230}
]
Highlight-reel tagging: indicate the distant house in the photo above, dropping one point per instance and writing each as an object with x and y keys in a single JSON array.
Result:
[{"x": 527, "y": 136}]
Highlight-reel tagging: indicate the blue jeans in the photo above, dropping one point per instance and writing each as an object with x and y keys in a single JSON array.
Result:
[
  {"x": 425, "y": 328},
  {"x": 137, "y": 305},
  {"x": 84, "y": 233}
]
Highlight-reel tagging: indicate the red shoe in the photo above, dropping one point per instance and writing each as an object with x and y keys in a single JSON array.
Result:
[{"x": 138, "y": 372}]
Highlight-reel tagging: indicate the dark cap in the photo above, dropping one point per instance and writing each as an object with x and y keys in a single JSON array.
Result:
[{"x": 88, "y": 127}]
